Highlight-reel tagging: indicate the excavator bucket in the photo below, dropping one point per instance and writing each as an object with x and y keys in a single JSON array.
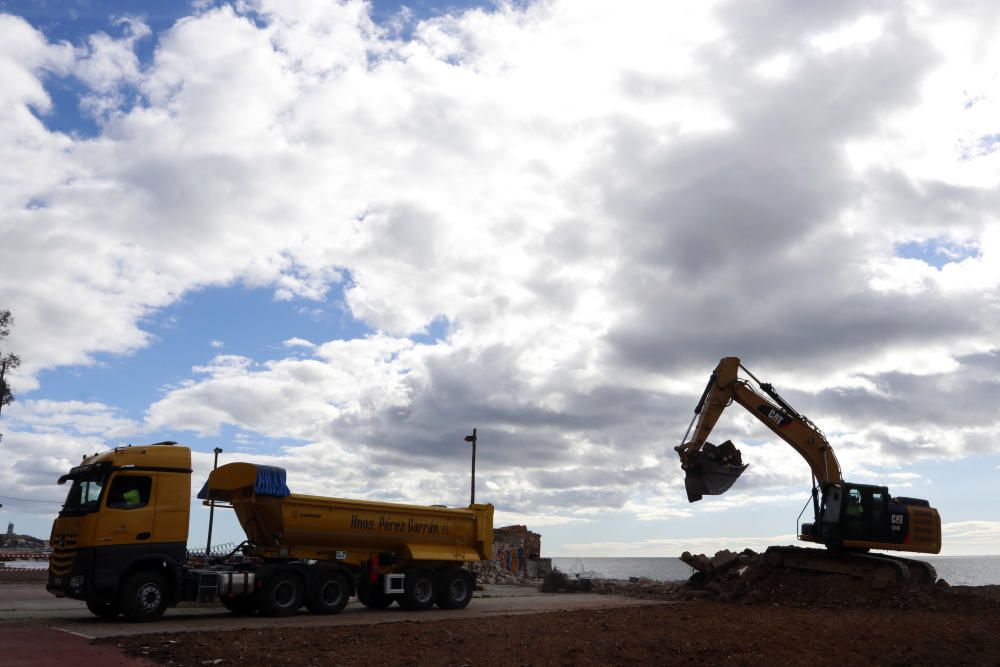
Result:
[{"x": 712, "y": 470}]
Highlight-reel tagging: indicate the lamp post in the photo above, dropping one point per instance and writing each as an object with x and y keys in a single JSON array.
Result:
[
  {"x": 472, "y": 439},
  {"x": 211, "y": 508}
]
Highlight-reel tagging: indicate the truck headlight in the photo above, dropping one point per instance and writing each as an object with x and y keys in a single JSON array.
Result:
[{"x": 76, "y": 582}]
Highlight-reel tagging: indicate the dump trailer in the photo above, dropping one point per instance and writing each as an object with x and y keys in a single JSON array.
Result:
[{"x": 120, "y": 542}]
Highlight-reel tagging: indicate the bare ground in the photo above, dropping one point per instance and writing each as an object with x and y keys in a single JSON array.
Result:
[{"x": 943, "y": 626}]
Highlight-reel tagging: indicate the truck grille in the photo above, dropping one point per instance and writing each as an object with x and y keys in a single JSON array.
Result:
[{"x": 61, "y": 562}]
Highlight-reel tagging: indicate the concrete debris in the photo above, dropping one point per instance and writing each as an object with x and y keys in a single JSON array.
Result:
[
  {"x": 753, "y": 579},
  {"x": 717, "y": 564},
  {"x": 725, "y": 454}
]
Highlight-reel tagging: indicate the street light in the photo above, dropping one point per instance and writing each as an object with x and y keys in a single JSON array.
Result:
[
  {"x": 472, "y": 439},
  {"x": 211, "y": 508}
]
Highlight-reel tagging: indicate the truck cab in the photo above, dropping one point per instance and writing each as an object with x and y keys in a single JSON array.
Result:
[{"x": 124, "y": 521}]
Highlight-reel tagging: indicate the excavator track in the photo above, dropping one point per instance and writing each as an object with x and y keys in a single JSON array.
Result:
[
  {"x": 880, "y": 568},
  {"x": 921, "y": 572}
]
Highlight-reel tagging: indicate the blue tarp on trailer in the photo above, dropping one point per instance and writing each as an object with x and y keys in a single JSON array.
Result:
[{"x": 270, "y": 482}]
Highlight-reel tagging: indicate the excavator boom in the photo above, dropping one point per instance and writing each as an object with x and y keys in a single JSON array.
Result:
[{"x": 711, "y": 470}]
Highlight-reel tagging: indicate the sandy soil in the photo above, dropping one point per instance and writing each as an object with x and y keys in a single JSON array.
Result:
[
  {"x": 696, "y": 633},
  {"x": 960, "y": 630}
]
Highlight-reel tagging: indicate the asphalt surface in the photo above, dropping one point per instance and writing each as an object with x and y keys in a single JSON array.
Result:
[
  {"x": 29, "y": 605},
  {"x": 33, "y": 645}
]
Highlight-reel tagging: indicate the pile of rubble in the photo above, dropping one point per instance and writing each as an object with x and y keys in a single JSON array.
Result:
[
  {"x": 488, "y": 572},
  {"x": 754, "y": 579},
  {"x": 643, "y": 588},
  {"x": 751, "y": 578},
  {"x": 724, "y": 454}
]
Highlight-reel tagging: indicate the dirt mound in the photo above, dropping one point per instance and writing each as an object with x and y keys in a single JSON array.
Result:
[{"x": 752, "y": 578}]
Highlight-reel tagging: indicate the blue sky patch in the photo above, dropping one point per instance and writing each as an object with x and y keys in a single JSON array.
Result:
[
  {"x": 984, "y": 145},
  {"x": 437, "y": 331},
  {"x": 218, "y": 320},
  {"x": 937, "y": 252}
]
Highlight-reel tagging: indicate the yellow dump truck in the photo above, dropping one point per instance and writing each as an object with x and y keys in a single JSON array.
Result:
[{"x": 120, "y": 542}]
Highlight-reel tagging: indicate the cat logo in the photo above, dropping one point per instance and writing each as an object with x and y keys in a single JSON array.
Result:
[{"x": 779, "y": 418}]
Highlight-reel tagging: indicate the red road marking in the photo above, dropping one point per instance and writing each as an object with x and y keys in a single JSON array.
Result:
[{"x": 41, "y": 646}]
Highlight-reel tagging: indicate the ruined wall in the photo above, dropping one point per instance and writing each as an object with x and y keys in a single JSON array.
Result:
[{"x": 517, "y": 551}]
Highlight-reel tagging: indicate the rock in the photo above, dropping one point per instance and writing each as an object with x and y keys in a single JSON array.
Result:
[{"x": 723, "y": 560}]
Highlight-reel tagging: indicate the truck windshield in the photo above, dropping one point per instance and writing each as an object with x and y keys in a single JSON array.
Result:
[{"x": 85, "y": 494}]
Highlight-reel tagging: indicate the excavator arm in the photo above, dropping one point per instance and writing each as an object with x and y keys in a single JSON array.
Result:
[{"x": 711, "y": 470}]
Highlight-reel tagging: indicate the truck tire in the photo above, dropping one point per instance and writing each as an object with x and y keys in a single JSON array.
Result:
[
  {"x": 420, "y": 590},
  {"x": 281, "y": 594},
  {"x": 241, "y": 605},
  {"x": 144, "y": 596},
  {"x": 370, "y": 596},
  {"x": 457, "y": 586},
  {"x": 104, "y": 609},
  {"x": 328, "y": 593}
]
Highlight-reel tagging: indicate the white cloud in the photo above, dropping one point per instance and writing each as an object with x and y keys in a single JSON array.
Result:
[
  {"x": 863, "y": 30},
  {"x": 534, "y": 520},
  {"x": 660, "y": 548},
  {"x": 106, "y": 64},
  {"x": 778, "y": 67},
  {"x": 599, "y": 201},
  {"x": 970, "y": 537},
  {"x": 55, "y": 416},
  {"x": 959, "y": 538}
]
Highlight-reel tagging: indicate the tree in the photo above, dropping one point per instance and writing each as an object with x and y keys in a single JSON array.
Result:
[{"x": 8, "y": 362}]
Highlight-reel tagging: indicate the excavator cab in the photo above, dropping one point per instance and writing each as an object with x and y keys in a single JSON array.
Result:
[{"x": 711, "y": 470}]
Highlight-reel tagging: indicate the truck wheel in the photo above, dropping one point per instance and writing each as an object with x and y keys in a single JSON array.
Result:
[
  {"x": 281, "y": 594},
  {"x": 456, "y": 589},
  {"x": 106, "y": 610},
  {"x": 144, "y": 596},
  {"x": 371, "y": 597},
  {"x": 241, "y": 605},
  {"x": 329, "y": 593},
  {"x": 420, "y": 590}
]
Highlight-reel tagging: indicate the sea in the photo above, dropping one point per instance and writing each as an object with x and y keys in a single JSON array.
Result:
[{"x": 956, "y": 570}]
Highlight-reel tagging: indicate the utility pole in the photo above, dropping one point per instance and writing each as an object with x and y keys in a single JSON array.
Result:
[
  {"x": 472, "y": 439},
  {"x": 211, "y": 509}
]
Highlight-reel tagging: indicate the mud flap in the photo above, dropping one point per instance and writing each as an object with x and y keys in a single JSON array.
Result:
[{"x": 707, "y": 475}]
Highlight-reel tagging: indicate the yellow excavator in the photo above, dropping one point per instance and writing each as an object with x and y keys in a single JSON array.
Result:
[{"x": 849, "y": 519}]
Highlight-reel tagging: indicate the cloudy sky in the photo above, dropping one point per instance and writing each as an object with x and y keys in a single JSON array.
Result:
[{"x": 336, "y": 236}]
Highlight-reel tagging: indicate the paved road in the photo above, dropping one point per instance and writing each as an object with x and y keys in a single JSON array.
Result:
[
  {"x": 33, "y": 645},
  {"x": 31, "y": 604}
]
